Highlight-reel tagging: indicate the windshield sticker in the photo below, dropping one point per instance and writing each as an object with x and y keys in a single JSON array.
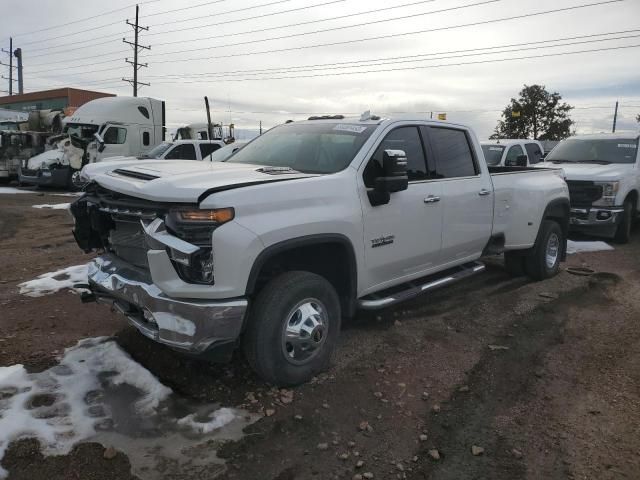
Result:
[
  {"x": 350, "y": 128},
  {"x": 626, "y": 145},
  {"x": 495, "y": 149}
]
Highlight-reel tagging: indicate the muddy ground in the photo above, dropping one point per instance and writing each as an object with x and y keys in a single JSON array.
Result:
[{"x": 544, "y": 377}]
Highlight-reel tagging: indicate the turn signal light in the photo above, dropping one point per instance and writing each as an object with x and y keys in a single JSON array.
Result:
[{"x": 219, "y": 215}]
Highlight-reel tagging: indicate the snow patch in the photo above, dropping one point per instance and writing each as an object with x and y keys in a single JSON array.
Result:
[
  {"x": 12, "y": 191},
  {"x": 52, "y": 282},
  {"x": 54, "y": 206},
  {"x": 98, "y": 393},
  {"x": 581, "y": 247}
]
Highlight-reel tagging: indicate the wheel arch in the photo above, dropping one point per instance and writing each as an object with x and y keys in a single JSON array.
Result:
[
  {"x": 311, "y": 253},
  {"x": 558, "y": 210},
  {"x": 633, "y": 196}
]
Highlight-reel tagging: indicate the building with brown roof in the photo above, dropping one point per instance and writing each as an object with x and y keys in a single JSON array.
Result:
[{"x": 58, "y": 99}]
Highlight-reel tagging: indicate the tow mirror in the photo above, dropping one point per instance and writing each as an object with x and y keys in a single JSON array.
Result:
[
  {"x": 394, "y": 177},
  {"x": 100, "y": 141}
]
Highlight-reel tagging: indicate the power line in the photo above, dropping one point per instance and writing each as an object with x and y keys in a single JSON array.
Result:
[
  {"x": 332, "y": 29},
  {"x": 418, "y": 67},
  {"x": 378, "y": 37},
  {"x": 99, "y": 15},
  {"x": 173, "y": 22},
  {"x": 311, "y": 21},
  {"x": 404, "y": 59}
]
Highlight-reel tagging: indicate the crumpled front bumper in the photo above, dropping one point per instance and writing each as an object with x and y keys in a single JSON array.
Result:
[
  {"x": 596, "y": 220},
  {"x": 191, "y": 325}
]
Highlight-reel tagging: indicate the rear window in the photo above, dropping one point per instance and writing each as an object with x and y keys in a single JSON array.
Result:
[
  {"x": 492, "y": 154},
  {"x": 453, "y": 153}
]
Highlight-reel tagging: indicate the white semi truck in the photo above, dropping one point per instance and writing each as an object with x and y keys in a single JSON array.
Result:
[{"x": 102, "y": 128}]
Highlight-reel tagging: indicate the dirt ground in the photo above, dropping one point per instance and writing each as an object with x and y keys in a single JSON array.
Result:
[{"x": 544, "y": 377}]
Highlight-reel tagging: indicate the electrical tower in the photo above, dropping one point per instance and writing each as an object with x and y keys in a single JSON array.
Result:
[{"x": 136, "y": 48}]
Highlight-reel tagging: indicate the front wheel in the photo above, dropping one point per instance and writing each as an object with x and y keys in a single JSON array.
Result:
[
  {"x": 544, "y": 260},
  {"x": 623, "y": 232},
  {"x": 293, "y": 328}
]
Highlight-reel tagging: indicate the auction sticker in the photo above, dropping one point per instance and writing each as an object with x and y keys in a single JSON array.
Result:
[{"x": 344, "y": 127}]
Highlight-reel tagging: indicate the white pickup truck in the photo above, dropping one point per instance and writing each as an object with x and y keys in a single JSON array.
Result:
[
  {"x": 603, "y": 174},
  {"x": 512, "y": 152},
  {"x": 303, "y": 226}
]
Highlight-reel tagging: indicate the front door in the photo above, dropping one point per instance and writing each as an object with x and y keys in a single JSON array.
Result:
[
  {"x": 402, "y": 238},
  {"x": 467, "y": 195}
]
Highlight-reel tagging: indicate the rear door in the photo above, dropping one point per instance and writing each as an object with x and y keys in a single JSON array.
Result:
[
  {"x": 467, "y": 194},
  {"x": 402, "y": 239}
]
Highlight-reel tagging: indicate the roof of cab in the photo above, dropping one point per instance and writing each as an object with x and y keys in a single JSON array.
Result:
[
  {"x": 608, "y": 136},
  {"x": 507, "y": 141},
  {"x": 375, "y": 120}
]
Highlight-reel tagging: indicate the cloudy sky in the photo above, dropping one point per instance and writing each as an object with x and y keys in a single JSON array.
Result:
[{"x": 273, "y": 60}]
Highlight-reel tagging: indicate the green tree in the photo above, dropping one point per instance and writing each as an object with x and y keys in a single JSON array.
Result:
[{"x": 536, "y": 114}]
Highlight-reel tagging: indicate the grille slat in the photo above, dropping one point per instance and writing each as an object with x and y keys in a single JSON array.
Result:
[{"x": 582, "y": 194}]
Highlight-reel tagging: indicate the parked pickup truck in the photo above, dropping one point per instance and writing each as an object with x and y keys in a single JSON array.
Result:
[
  {"x": 603, "y": 174},
  {"x": 512, "y": 153},
  {"x": 303, "y": 226}
]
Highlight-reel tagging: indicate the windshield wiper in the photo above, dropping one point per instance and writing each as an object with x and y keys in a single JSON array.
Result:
[{"x": 602, "y": 162}]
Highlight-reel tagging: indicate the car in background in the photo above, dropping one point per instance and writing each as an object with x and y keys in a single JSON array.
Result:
[
  {"x": 603, "y": 175},
  {"x": 225, "y": 152},
  {"x": 184, "y": 150},
  {"x": 512, "y": 152}
]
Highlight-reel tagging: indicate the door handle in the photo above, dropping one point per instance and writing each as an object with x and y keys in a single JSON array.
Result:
[
  {"x": 431, "y": 199},
  {"x": 484, "y": 192}
]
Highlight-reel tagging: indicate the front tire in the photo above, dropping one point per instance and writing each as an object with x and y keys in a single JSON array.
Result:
[
  {"x": 623, "y": 232},
  {"x": 544, "y": 260},
  {"x": 293, "y": 328}
]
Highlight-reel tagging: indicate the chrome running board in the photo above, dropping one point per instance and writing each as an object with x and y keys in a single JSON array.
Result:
[{"x": 413, "y": 289}]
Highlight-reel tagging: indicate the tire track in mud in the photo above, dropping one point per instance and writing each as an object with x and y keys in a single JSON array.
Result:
[{"x": 501, "y": 381}]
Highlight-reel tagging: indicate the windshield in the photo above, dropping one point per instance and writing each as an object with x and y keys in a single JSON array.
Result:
[
  {"x": 610, "y": 150},
  {"x": 158, "y": 150},
  {"x": 308, "y": 148},
  {"x": 493, "y": 154},
  {"x": 81, "y": 130}
]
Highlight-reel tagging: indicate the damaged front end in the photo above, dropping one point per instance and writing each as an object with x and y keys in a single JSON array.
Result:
[{"x": 151, "y": 275}]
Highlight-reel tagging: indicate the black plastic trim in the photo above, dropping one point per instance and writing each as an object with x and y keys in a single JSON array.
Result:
[
  {"x": 317, "y": 239},
  {"x": 224, "y": 188}
]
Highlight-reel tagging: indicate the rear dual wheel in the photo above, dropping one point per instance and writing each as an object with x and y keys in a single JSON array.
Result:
[{"x": 543, "y": 260}]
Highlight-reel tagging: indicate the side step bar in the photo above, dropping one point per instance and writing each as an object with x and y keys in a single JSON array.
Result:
[{"x": 416, "y": 287}]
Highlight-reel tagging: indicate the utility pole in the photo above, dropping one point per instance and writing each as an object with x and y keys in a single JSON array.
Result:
[
  {"x": 209, "y": 125},
  {"x": 615, "y": 117},
  {"x": 136, "y": 48},
  {"x": 18, "y": 55},
  {"x": 10, "y": 53}
]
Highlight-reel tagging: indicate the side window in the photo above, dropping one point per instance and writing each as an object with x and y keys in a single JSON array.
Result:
[
  {"x": 115, "y": 135},
  {"x": 534, "y": 152},
  {"x": 208, "y": 148},
  {"x": 403, "y": 138},
  {"x": 184, "y": 151},
  {"x": 146, "y": 139},
  {"x": 453, "y": 153},
  {"x": 512, "y": 154}
]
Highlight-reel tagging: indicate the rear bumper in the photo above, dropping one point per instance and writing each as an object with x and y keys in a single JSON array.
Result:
[
  {"x": 191, "y": 325},
  {"x": 57, "y": 177},
  {"x": 596, "y": 220}
]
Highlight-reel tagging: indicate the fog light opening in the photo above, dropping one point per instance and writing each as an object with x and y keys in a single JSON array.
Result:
[{"x": 603, "y": 215}]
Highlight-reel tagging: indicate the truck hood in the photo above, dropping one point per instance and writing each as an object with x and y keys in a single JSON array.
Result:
[
  {"x": 181, "y": 181},
  {"x": 592, "y": 171}
]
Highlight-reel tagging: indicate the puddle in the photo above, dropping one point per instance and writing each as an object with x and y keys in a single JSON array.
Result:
[{"x": 97, "y": 393}]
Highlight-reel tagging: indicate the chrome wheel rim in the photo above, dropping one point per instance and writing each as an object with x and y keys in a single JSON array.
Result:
[
  {"x": 553, "y": 250},
  {"x": 305, "y": 331}
]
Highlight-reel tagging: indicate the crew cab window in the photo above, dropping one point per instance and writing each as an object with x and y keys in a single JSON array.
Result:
[
  {"x": 207, "y": 148},
  {"x": 534, "y": 152},
  {"x": 115, "y": 136},
  {"x": 512, "y": 155},
  {"x": 453, "y": 153},
  {"x": 184, "y": 151},
  {"x": 403, "y": 138}
]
